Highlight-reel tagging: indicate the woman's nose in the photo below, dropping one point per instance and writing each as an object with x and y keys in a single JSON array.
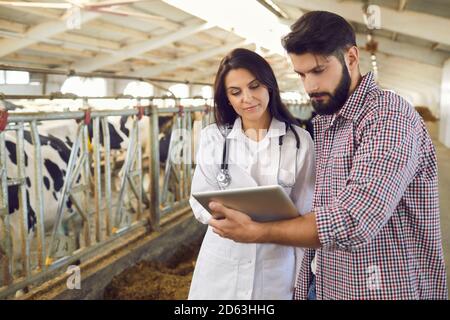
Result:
[{"x": 247, "y": 96}]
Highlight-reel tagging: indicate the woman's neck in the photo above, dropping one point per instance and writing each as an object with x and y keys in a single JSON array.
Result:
[{"x": 256, "y": 130}]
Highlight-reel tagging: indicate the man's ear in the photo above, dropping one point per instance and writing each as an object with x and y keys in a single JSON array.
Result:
[{"x": 352, "y": 58}]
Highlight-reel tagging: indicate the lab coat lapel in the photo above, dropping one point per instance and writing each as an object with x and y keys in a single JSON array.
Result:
[
  {"x": 240, "y": 178},
  {"x": 239, "y": 158}
]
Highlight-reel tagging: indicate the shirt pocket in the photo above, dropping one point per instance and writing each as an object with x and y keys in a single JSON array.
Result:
[{"x": 341, "y": 166}]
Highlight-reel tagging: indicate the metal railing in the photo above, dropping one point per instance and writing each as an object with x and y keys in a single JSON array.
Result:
[{"x": 98, "y": 213}]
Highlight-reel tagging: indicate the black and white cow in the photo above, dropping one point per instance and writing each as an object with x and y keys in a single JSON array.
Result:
[
  {"x": 55, "y": 156},
  {"x": 56, "y": 138}
]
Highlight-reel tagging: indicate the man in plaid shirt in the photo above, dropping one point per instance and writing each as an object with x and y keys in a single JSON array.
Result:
[{"x": 374, "y": 230}]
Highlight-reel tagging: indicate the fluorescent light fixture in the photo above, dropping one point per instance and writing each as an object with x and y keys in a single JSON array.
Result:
[
  {"x": 139, "y": 89},
  {"x": 17, "y": 77},
  {"x": 274, "y": 8},
  {"x": 207, "y": 92},
  {"x": 84, "y": 87},
  {"x": 246, "y": 18},
  {"x": 180, "y": 90}
]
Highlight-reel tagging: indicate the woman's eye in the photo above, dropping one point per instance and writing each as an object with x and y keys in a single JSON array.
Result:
[
  {"x": 254, "y": 86},
  {"x": 234, "y": 93}
]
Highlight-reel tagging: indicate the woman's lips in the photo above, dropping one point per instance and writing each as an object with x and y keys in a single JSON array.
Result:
[{"x": 251, "y": 108}]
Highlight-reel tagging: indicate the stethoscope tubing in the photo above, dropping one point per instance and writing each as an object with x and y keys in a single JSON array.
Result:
[{"x": 224, "y": 178}]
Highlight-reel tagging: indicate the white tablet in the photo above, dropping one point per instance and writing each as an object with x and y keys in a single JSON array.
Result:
[{"x": 266, "y": 203}]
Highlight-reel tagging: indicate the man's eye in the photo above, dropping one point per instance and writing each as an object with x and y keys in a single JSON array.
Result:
[{"x": 317, "y": 71}]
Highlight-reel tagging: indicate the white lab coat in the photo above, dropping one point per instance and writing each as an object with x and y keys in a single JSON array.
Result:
[{"x": 226, "y": 269}]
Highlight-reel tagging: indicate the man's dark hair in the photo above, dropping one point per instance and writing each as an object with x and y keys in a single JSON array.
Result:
[{"x": 320, "y": 32}]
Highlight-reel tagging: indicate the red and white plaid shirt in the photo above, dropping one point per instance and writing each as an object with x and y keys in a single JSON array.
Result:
[{"x": 376, "y": 203}]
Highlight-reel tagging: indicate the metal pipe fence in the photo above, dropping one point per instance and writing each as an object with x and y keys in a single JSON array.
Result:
[
  {"x": 98, "y": 212},
  {"x": 96, "y": 202}
]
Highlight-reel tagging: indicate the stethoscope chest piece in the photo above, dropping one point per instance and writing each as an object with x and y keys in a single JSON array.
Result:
[{"x": 223, "y": 178}]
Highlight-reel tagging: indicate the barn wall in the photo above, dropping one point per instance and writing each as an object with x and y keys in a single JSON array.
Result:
[{"x": 444, "y": 131}]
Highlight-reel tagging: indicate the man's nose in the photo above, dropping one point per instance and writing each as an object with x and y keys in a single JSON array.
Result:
[{"x": 310, "y": 85}]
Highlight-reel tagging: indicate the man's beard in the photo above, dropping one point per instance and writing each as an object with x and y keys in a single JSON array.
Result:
[{"x": 336, "y": 100}]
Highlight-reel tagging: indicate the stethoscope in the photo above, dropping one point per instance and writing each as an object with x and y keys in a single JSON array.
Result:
[{"x": 224, "y": 178}]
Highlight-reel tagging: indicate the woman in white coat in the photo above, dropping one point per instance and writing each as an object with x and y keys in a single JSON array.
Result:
[{"x": 263, "y": 149}]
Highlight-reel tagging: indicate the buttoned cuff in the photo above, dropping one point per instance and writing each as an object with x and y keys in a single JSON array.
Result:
[{"x": 330, "y": 227}]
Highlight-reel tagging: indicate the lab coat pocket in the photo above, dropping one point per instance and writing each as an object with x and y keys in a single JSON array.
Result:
[
  {"x": 286, "y": 179},
  {"x": 218, "y": 276},
  {"x": 279, "y": 278}
]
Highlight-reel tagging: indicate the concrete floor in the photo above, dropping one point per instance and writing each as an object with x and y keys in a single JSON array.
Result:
[{"x": 443, "y": 157}]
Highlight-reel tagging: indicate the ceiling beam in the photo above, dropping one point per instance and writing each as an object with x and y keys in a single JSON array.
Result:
[
  {"x": 407, "y": 67},
  {"x": 58, "y": 50},
  {"x": 163, "y": 22},
  {"x": 110, "y": 27},
  {"x": 74, "y": 38},
  {"x": 402, "y": 5},
  {"x": 78, "y": 46},
  {"x": 151, "y": 58},
  {"x": 47, "y": 61},
  {"x": 138, "y": 48},
  {"x": 45, "y": 13},
  {"x": 89, "y": 41},
  {"x": 13, "y": 26},
  {"x": 204, "y": 76},
  {"x": 186, "y": 61},
  {"x": 405, "y": 50},
  {"x": 39, "y": 33},
  {"x": 180, "y": 47},
  {"x": 209, "y": 39},
  {"x": 415, "y": 24}
]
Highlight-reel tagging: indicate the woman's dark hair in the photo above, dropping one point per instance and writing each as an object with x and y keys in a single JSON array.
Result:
[
  {"x": 320, "y": 32},
  {"x": 246, "y": 59}
]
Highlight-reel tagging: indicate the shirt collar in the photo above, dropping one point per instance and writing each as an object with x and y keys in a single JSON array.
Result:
[
  {"x": 354, "y": 104},
  {"x": 236, "y": 130},
  {"x": 277, "y": 128}
]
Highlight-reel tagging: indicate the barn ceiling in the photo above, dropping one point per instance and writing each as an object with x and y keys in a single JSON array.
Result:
[{"x": 185, "y": 39}]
